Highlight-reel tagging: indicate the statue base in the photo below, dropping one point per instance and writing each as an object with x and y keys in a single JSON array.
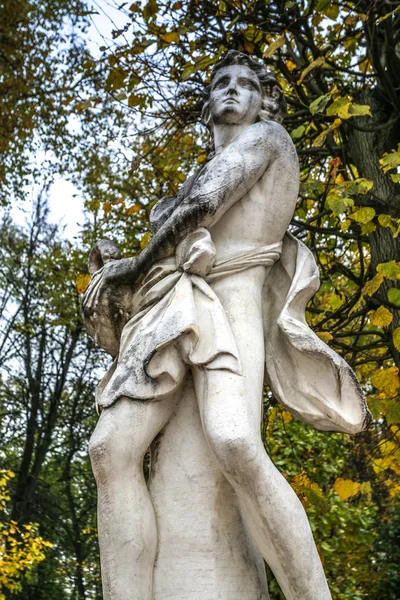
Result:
[{"x": 204, "y": 549}]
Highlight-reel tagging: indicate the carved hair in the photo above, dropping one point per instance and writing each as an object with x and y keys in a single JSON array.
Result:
[{"x": 273, "y": 107}]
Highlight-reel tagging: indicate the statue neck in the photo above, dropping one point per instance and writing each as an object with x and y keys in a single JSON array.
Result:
[{"x": 225, "y": 134}]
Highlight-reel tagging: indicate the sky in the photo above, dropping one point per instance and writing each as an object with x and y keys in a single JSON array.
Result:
[{"x": 65, "y": 201}]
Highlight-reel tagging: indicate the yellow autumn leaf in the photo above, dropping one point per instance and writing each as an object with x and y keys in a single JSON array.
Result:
[
  {"x": 325, "y": 336},
  {"x": 364, "y": 215},
  {"x": 145, "y": 240},
  {"x": 272, "y": 48},
  {"x": 170, "y": 37},
  {"x": 313, "y": 65},
  {"x": 300, "y": 480},
  {"x": 340, "y": 108},
  {"x": 372, "y": 285},
  {"x": 291, "y": 65},
  {"x": 345, "y": 488},
  {"x": 381, "y": 317},
  {"x": 322, "y": 136},
  {"x": 396, "y": 338},
  {"x": 390, "y": 457},
  {"x": 286, "y": 417},
  {"x": 393, "y": 487},
  {"x": 132, "y": 209},
  {"x": 202, "y": 157},
  {"x": 369, "y": 289},
  {"x": 106, "y": 207},
  {"x": 248, "y": 46},
  {"x": 390, "y": 160},
  {"x": 390, "y": 270},
  {"x": 309, "y": 492},
  {"x": 387, "y": 221},
  {"x": 387, "y": 381},
  {"x": 82, "y": 282}
]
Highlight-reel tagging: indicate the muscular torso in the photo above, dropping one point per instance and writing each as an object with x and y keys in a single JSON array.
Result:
[
  {"x": 260, "y": 217},
  {"x": 254, "y": 218}
]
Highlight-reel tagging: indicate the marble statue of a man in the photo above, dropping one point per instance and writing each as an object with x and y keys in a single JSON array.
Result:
[{"x": 218, "y": 294}]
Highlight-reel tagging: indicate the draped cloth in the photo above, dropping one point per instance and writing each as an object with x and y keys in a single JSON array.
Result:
[{"x": 177, "y": 321}]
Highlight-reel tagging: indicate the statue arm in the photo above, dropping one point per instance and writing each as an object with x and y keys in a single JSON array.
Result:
[
  {"x": 166, "y": 206},
  {"x": 224, "y": 181}
]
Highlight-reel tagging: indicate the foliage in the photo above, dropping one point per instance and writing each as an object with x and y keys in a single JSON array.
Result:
[
  {"x": 21, "y": 548},
  {"x": 48, "y": 370},
  {"x": 138, "y": 135},
  {"x": 54, "y": 109}
]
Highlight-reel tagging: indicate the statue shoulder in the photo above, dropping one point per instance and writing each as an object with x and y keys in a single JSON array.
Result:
[{"x": 274, "y": 134}]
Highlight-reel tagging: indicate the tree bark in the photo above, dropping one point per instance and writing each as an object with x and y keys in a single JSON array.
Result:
[{"x": 367, "y": 140}]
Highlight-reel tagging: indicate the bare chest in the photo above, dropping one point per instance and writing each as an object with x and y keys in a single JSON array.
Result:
[{"x": 260, "y": 217}]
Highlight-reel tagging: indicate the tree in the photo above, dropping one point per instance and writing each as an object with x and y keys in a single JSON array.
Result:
[
  {"x": 20, "y": 549},
  {"x": 54, "y": 110},
  {"x": 139, "y": 136},
  {"x": 46, "y": 404}
]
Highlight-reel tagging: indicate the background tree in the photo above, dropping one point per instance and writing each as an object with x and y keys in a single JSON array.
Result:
[
  {"x": 137, "y": 136},
  {"x": 46, "y": 401}
]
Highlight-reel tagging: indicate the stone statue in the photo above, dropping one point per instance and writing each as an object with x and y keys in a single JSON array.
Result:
[{"x": 216, "y": 301}]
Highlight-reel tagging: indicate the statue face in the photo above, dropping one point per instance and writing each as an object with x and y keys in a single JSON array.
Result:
[{"x": 236, "y": 96}]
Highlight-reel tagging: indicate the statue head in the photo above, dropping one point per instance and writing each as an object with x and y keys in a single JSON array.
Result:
[{"x": 242, "y": 91}]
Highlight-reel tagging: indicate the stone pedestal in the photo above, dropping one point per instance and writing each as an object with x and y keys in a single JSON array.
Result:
[{"x": 204, "y": 549}]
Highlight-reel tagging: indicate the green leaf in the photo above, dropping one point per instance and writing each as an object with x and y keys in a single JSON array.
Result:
[
  {"x": 376, "y": 406},
  {"x": 322, "y": 5},
  {"x": 332, "y": 11},
  {"x": 116, "y": 79},
  {"x": 356, "y": 186},
  {"x": 298, "y": 132},
  {"x": 394, "y": 296},
  {"x": 319, "y": 104},
  {"x": 393, "y": 415},
  {"x": 338, "y": 204},
  {"x": 134, "y": 100},
  {"x": 199, "y": 65},
  {"x": 390, "y": 270}
]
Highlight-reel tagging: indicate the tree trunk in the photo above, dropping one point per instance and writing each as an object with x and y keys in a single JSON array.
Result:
[{"x": 368, "y": 139}]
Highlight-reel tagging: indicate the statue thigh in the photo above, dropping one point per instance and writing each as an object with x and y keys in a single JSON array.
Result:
[
  {"x": 230, "y": 404},
  {"x": 123, "y": 434}
]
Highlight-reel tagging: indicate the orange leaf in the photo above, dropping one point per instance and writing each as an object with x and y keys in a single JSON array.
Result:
[{"x": 82, "y": 282}]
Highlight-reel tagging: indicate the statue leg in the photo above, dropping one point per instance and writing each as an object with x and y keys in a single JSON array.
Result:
[
  {"x": 126, "y": 519},
  {"x": 230, "y": 409}
]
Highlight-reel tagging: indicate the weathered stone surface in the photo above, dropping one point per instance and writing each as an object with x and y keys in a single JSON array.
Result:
[
  {"x": 217, "y": 298},
  {"x": 204, "y": 549}
]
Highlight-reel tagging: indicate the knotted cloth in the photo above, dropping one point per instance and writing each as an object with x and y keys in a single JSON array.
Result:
[{"x": 175, "y": 320}]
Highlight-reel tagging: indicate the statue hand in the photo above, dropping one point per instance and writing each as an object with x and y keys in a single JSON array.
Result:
[
  {"x": 107, "y": 302},
  {"x": 122, "y": 271},
  {"x": 102, "y": 253}
]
